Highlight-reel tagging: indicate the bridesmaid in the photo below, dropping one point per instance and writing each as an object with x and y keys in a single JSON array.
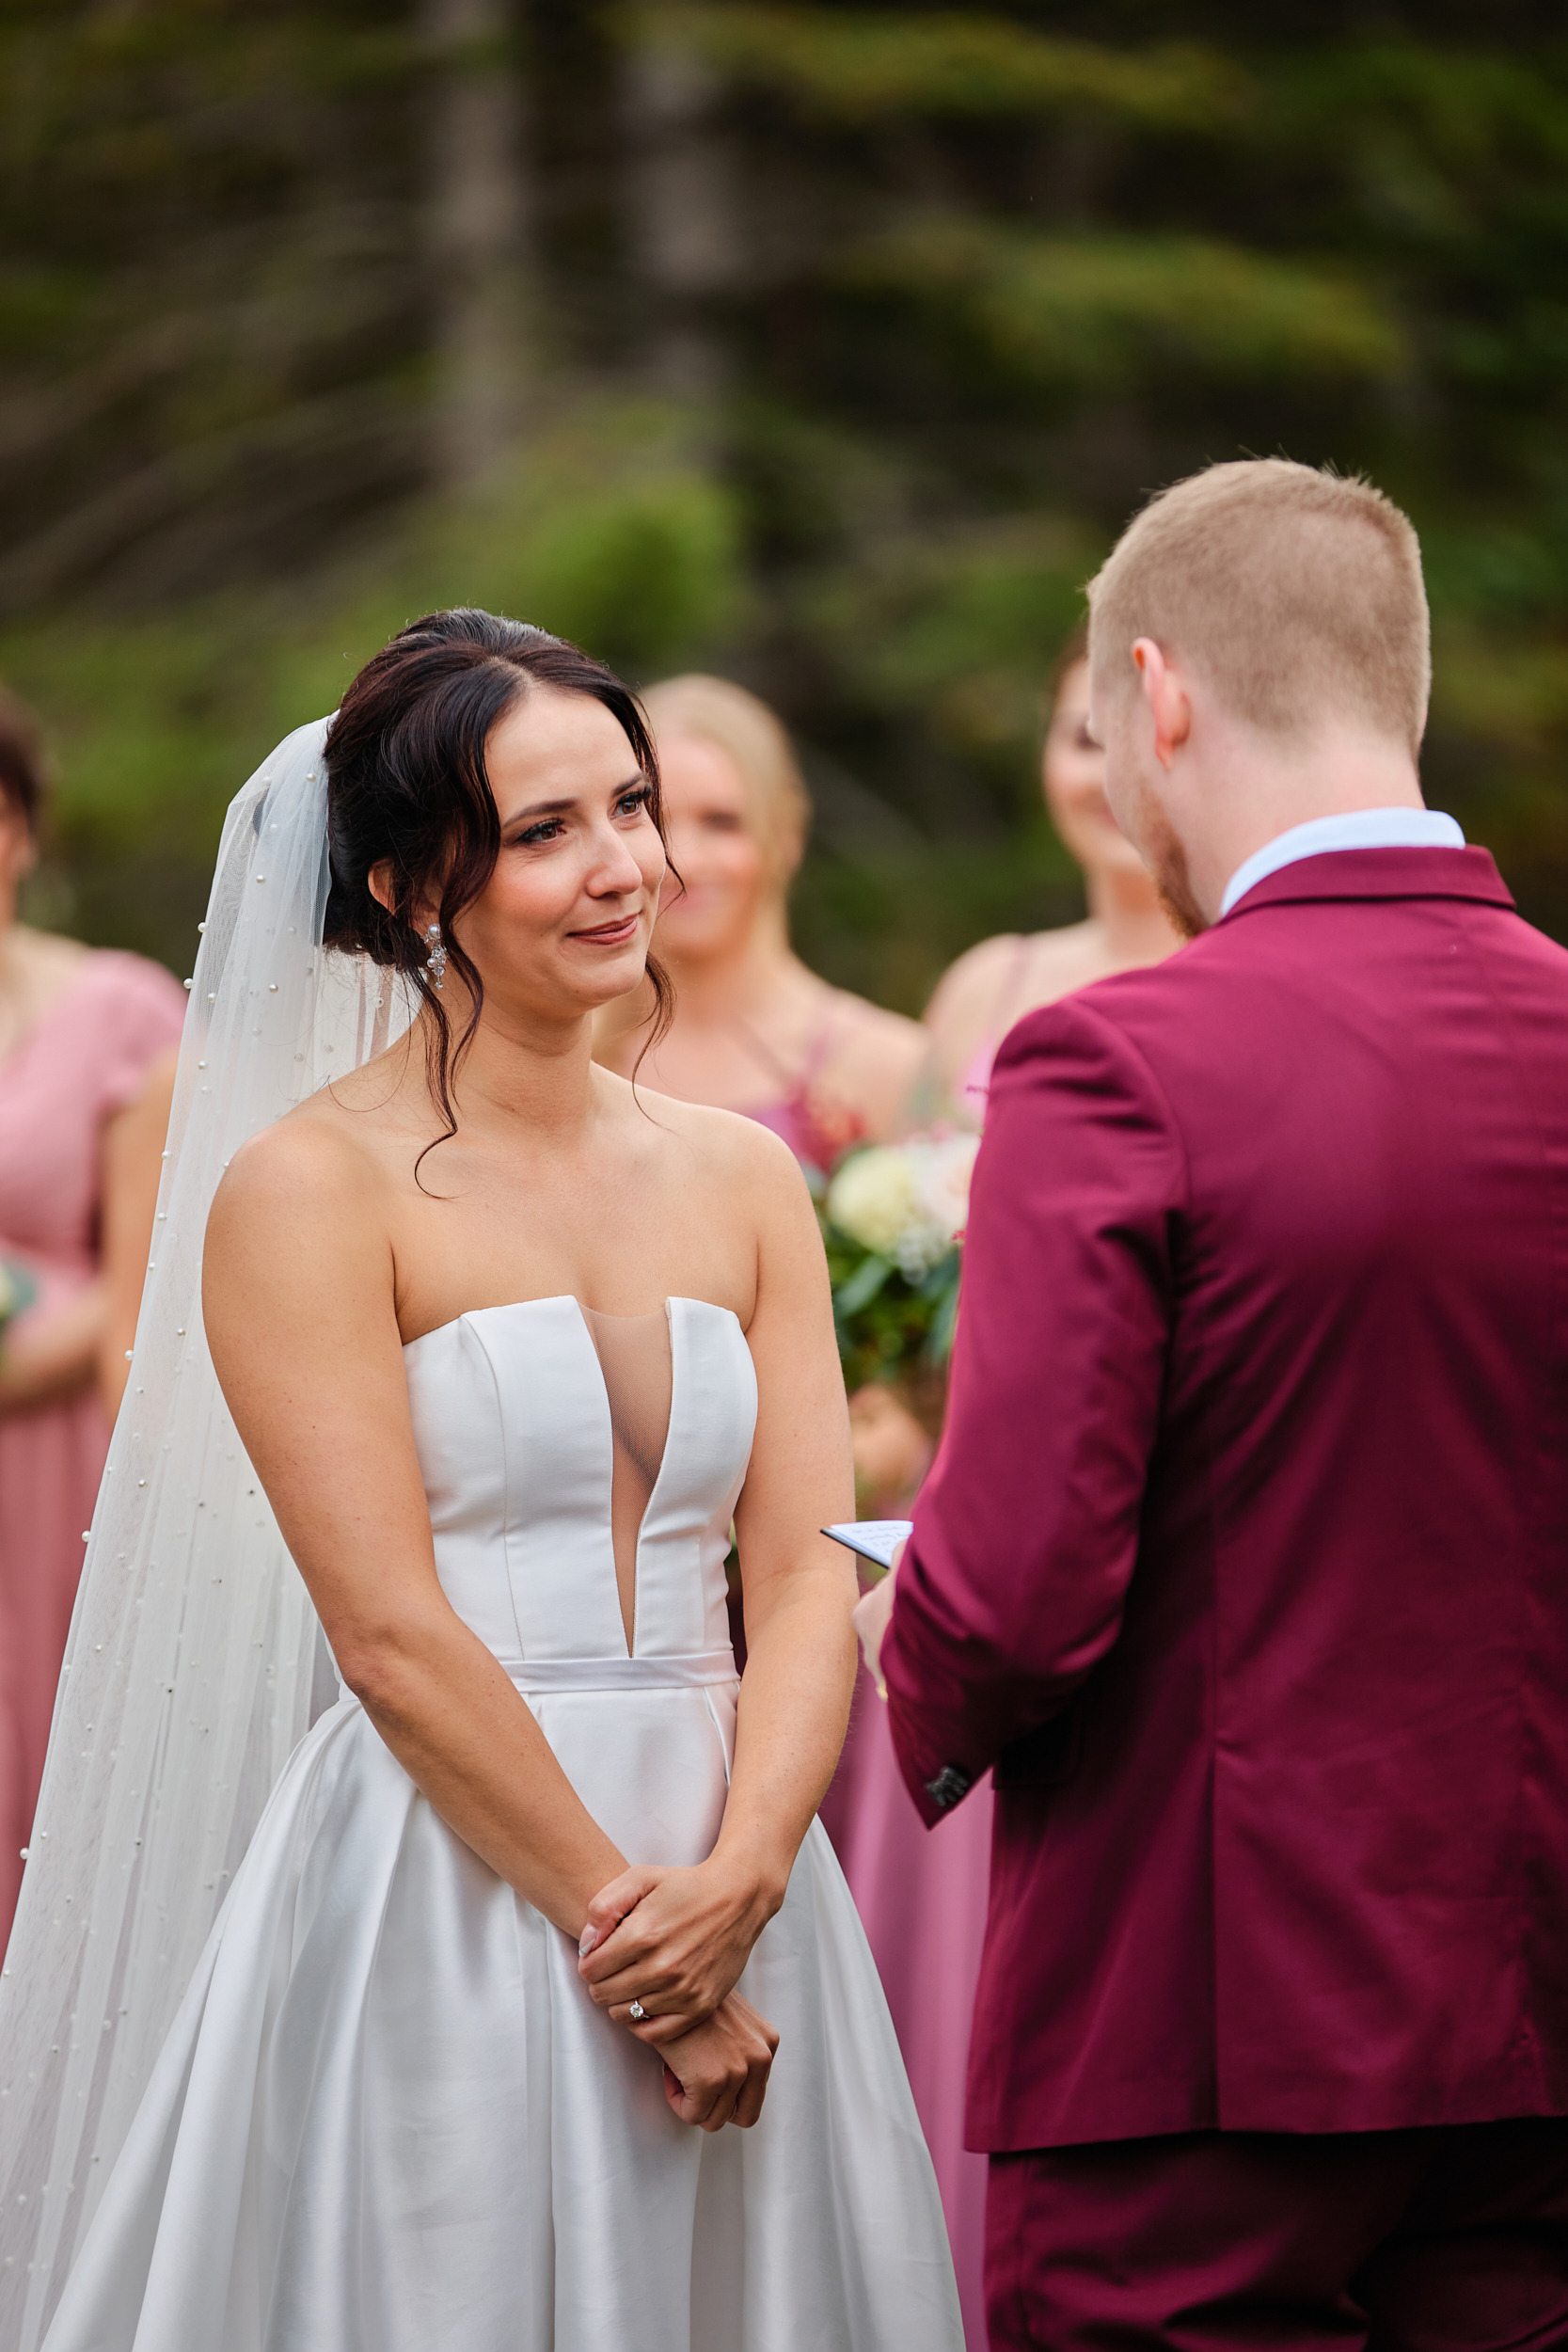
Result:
[
  {"x": 996, "y": 983},
  {"x": 754, "y": 1030},
  {"x": 86, "y": 1070},
  {"x": 922, "y": 1895}
]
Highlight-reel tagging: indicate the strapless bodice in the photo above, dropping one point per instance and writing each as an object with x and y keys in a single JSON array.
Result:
[{"x": 512, "y": 1422}]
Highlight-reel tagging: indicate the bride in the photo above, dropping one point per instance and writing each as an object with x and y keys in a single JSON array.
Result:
[{"x": 537, "y": 1906}]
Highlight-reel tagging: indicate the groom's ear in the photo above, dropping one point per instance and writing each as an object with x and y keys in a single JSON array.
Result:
[{"x": 1166, "y": 693}]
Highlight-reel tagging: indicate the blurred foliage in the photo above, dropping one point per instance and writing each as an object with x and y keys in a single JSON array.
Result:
[
  {"x": 997, "y": 273},
  {"x": 856, "y": 65},
  {"x": 1091, "y": 313}
]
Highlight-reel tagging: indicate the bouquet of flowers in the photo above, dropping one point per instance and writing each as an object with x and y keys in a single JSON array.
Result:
[
  {"x": 893, "y": 1220},
  {"x": 17, "y": 1290}
]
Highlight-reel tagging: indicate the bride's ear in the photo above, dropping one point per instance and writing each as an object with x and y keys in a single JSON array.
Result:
[{"x": 379, "y": 882}]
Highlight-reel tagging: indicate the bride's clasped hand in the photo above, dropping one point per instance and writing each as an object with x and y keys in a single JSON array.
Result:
[
  {"x": 661, "y": 1952},
  {"x": 675, "y": 1941}
]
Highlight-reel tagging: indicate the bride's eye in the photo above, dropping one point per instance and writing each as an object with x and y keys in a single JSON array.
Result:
[
  {"x": 640, "y": 796},
  {"x": 543, "y": 831}
]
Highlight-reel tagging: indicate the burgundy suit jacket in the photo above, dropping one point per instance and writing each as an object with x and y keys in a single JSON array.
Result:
[{"x": 1244, "y": 1559}]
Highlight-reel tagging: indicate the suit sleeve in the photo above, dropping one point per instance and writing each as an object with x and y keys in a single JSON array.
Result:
[{"x": 1026, "y": 1535}]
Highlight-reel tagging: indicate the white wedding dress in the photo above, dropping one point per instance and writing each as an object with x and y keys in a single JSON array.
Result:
[{"x": 389, "y": 2118}]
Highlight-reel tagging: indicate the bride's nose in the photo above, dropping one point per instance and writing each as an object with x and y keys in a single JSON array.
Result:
[{"x": 613, "y": 871}]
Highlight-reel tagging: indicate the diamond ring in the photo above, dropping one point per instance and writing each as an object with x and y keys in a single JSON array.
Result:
[{"x": 637, "y": 2012}]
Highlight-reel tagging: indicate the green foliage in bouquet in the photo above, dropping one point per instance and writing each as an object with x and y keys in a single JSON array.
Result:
[
  {"x": 889, "y": 1323},
  {"x": 17, "y": 1290}
]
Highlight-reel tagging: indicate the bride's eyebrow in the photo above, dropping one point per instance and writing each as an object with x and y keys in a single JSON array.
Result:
[
  {"x": 537, "y": 808},
  {"x": 557, "y": 808}
]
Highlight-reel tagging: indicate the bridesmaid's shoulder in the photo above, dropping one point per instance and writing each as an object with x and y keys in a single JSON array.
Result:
[
  {"x": 124, "y": 972},
  {"x": 872, "y": 1028},
  {"x": 874, "y": 1058},
  {"x": 142, "y": 1001},
  {"x": 44, "y": 954},
  {"x": 130, "y": 1006},
  {"x": 973, "y": 978}
]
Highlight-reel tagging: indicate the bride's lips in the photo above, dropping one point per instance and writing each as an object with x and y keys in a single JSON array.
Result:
[{"x": 609, "y": 934}]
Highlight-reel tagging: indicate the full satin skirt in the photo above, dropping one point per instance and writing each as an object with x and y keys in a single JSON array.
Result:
[{"x": 389, "y": 2119}]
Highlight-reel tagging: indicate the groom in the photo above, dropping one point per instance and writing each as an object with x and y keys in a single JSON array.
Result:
[{"x": 1246, "y": 1559}]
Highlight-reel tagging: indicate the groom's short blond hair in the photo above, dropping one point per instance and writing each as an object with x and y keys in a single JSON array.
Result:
[{"x": 1296, "y": 595}]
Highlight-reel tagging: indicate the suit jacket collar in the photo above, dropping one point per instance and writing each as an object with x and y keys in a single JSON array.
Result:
[{"x": 1468, "y": 874}]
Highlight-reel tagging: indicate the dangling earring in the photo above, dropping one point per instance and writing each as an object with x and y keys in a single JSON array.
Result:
[{"x": 435, "y": 962}]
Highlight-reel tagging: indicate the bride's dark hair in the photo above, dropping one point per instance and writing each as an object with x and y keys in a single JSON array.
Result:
[{"x": 406, "y": 785}]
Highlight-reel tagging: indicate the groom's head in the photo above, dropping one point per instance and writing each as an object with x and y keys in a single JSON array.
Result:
[{"x": 1258, "y": 651}]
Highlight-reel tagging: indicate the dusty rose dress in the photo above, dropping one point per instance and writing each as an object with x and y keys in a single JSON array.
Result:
[
  {"x": 921, "y": 1897},
  {"x": 82, "y": 1061}
]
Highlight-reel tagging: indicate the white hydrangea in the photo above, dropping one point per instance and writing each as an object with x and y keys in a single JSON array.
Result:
[
  {"x": 906, "y": 1201},
  {"x": 874, "y": 1197}
]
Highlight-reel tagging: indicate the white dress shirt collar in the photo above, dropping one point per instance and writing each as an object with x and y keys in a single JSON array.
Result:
[{"x": 1364, "y": 829}]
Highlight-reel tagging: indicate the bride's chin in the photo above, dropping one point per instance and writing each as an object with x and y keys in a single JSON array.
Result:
[
  {"x": 617, "y": 976},
  {"x": 566, "y": 994}
]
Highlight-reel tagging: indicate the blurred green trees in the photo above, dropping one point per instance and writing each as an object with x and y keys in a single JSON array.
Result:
[{"x": 829, "y": 345}]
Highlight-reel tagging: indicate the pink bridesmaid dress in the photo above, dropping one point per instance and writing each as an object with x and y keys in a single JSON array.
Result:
[
  {"x": 921, "y": 1895},
  {"x": 85, "y": 1058},
  {"x": 922, "y": 1898}
]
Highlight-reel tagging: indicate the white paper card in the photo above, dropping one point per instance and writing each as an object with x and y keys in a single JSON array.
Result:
[{"x": 873, "y": 1539}]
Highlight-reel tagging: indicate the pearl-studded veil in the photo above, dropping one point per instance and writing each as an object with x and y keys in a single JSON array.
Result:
[{"x": 194, "y": 1661}]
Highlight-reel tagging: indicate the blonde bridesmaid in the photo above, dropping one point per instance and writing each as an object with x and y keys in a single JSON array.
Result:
[
  {"x": 754, "y": 1029},
  {"x": 996, "y": 983}
]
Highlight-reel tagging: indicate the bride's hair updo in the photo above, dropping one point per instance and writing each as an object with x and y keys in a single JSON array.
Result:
[{"x": 407, "y": 786}]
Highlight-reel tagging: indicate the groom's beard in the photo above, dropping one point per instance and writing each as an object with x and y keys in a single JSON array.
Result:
[{"x": 1167, "y": 860}]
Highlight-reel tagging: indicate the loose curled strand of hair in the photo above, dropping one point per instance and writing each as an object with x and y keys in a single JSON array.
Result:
[{"x": 407, "y": 789}]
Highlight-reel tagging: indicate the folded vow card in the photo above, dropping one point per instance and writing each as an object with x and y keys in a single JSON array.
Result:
[{"x": 873, "y": 1539}]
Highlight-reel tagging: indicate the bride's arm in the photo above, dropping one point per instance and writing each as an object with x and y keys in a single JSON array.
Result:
[
  {"x": 682, "y": 1947},
  {"x": 298, "y": 1300},
  {"x": 300, "y": 1314}
]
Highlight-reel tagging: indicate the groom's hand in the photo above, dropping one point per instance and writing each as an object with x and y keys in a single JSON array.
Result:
[{"x": 870, "y": 1618}]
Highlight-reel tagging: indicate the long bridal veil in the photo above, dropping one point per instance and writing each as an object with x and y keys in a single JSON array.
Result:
[{"x": 195, "y": 1661}]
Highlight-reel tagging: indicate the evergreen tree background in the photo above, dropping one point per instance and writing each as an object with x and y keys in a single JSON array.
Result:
[{"x": 829, "y": 347}]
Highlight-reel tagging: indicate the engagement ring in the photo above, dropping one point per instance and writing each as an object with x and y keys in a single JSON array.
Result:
[{"x": 637, "y": 2012}]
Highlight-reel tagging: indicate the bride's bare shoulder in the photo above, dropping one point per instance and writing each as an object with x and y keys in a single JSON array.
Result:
[
  {"x": 299, "y": 1242},
  {"x": 320, "y": 1164}
]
